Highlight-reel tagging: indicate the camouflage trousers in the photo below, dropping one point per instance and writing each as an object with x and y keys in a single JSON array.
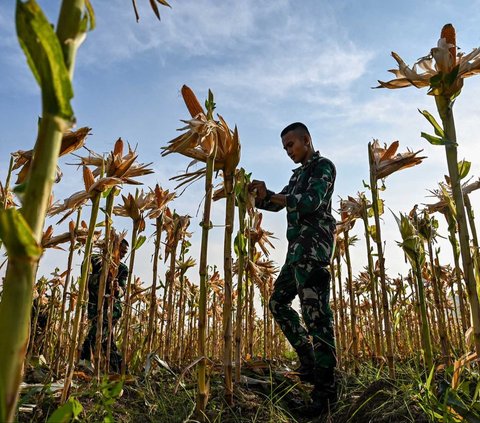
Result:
[
  {"x": 311, "y": 282},
  {"x": 88, "y": 347}
]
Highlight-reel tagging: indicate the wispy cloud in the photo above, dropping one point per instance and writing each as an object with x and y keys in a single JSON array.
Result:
[
  {"x": 272, "y": 46},
  {"x": 191, "y": 29}
]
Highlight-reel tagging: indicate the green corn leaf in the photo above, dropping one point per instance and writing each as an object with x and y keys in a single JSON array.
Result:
[
  {"x": 89, "y": 18},
  {"x": 433, "y": 139},
  {"x": 398, "y": 220},
  {"x": 436, "y": 79},
  {"x": 381, "y": 209},
  {"x": 436, "y": 126},
  {"x": 140, "y": 241},
  {"x": 463, "y": 168},
  {"x": 452, "y": 76},
  {"x": 45, "y": 58},
  {"x": 210, "y": 105},
  {"x": 240, "y": 245},
  {"x": 67, "y": 412},
  {"x": 17, "y": 235},
  {"x": 372, "y": 230}
]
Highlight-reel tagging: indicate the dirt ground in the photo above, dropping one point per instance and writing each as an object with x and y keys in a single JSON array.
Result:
[{"x": 267, "y": 393}]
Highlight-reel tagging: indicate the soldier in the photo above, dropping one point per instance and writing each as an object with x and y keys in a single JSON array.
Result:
[
  {"x": 118, "y": 285},
  {"x": 310, "y": 235}
]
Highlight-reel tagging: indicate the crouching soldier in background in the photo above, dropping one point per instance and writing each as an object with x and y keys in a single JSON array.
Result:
[
  {"x": 116, "y": 281},
  {"x": 310, "y": 235}
]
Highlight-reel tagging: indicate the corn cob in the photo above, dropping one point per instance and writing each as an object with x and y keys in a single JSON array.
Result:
[
  {"x": 448, "y": 32},
  {"x": 88, "y": 178},
  {"x": 191, "y": 101}
]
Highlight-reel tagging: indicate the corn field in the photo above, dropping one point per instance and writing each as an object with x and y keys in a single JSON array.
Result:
[{"x": 200, "y": 318}]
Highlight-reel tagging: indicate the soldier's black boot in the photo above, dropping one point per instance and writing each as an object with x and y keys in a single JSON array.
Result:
[
  {"x": 306, "y": 370},
  {"x": 324, "y": 394}
]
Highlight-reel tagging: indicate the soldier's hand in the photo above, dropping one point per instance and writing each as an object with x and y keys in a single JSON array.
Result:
[{"x": 259, "y": 188}]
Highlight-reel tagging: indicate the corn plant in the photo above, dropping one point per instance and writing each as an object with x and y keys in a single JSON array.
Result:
[
  {"x": 427, "y": 230},
  {"x": 156, "y": 210},
  {"x": 444, "y": 72},
  {"x": 340, "y": 305},
  {"x": 51, "y": 57},
  {"x": 244, "y": 202},
  {"x": 176, "y": 231},
  {"x": 134, "y": 208},
  {"x": 383, "y": 162},
  {"x": 214, "y": 144},
  {"x": 93, "y": 191},
  {"x": 446, "y": 207},
  {"x": 73, "y": 230},
  {"x": 366, "y": 211},
  {"x": 348, "y": 221},
  {"x": 183, "y": 264},
  {"x": 412, "y": 245}
]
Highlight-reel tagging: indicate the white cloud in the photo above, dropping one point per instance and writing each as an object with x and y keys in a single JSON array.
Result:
[{"x": 190, "y": 29}]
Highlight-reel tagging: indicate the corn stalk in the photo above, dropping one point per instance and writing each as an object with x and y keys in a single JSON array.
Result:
[
  {"x": 343, "y": 342},
  {"x": 82, "y": 288},
  {"x": 373, "y": 279},
  {"x": 51, "y": 57},
  {"x": 445, "y": 110},
  {"x": 353, "y": 308},
  {"x": 203, "y": 386},
  {"x": 153, "y": 293},
  {"x": 60, "y": 343},
  {"x": 444, "y": 76},
  {"x": 106, "y": 258},
  {"x": 413, "y": 248},
  {"x": 241, "y": 187},
  {"x": 381, "y": 262},
  {"x": 128, "y": 297},
  {"x": 227, "y": 305},
  {"x": 427, "y": 226},
  {"x": 170, "y": 283},
  {"x": 6, "y": 189}
]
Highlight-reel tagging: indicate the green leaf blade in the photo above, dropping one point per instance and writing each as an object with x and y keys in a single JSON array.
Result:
[
  {"x": 436, "y": 126},
  {"x": 464, "y": 168},
  {"x": 140, "y": 241},
  {"x": 67, "y": 412},
  {"x": 17, "y": 235}
]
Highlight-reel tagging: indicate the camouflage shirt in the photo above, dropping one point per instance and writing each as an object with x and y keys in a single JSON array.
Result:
[{"x": 311, "y": 226}]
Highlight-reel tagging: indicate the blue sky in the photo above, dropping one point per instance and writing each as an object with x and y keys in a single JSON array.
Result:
[{"x": 268, "y": 63}]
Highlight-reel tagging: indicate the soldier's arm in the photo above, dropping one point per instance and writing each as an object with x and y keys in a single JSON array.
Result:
[
  {"x": 310, "y": 200},
  {"x": 267, "y": 199}
]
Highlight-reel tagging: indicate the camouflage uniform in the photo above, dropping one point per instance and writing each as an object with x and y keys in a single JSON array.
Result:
[
  {"x": 310, "y": 235},
  {"x": 93, "y": 285}
]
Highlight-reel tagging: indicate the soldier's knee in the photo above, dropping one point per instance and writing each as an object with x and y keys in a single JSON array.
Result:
[{"x": 272, "y": 305}]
